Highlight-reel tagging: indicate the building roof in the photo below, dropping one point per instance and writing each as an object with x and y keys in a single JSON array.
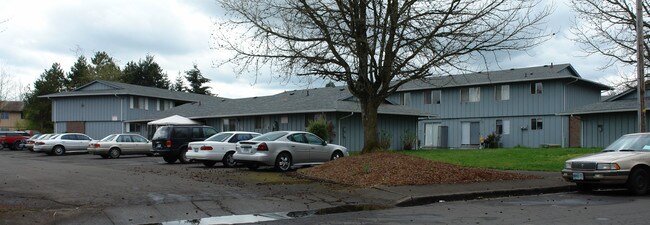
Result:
[
  {"x": 328, "y": 99},
  {"x": 627, "y": 105},
  {"x": 546, "y": 72},
  {"x": 116, "y": 88},
  {"x": 12, "y": 106}
]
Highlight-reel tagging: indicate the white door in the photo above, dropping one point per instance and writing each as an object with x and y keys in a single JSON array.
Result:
[
  {"x": 432, "y": 134},
  {"x": 465, "y": 133}
]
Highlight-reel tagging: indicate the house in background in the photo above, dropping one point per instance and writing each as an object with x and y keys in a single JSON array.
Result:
[
  {"x": 292, "y": 110},
  {"x": 11, "y": 115},
  {"x": 521, "y": 105},
  {"x": 101, "y": 107},
  {"x": 604, "y": 122}
]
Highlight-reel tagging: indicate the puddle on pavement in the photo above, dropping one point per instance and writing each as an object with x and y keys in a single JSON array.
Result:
[{"x": 262, "y": 217}]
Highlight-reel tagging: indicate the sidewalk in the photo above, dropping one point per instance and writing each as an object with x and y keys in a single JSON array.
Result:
[{"x": 401, "y": 196}]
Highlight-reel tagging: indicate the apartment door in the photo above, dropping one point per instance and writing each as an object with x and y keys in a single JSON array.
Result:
[
  {"x": 432, "y": 134},
  {"x": 471, "y": 133}
]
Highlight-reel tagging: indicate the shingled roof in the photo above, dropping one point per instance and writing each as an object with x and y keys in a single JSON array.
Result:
[
  {"x": 546, "y": 72},
  {"x": 328, "y": 99},
  {"x": 12, "y": 106},
  {"x": 116, "y": 88},
  {"x": 627, "y": 105}
]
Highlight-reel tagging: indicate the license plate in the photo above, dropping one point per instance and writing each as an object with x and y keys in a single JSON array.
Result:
[
  {"x": 246, "y": 150},
  {"x": 158, "y": 145},
  {"x": 195, "y": 149},
  {"x": 578, "y": 176}
]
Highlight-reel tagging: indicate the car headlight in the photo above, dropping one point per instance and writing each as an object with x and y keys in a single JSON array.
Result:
[
  {"x": 608, "y": 166},
  {"x": 567, "y": 165}
]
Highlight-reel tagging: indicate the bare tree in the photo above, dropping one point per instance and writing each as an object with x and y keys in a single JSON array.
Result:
[
  {"x": 374, "y": 46},
  {"x": 608, "y": 28}
]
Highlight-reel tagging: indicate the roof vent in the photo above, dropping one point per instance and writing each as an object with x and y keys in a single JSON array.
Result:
[
  {"x": 292, "y": 93},
  {"x": 512, "y": 68},
  {"x": 342, "y": 89},
  {"x": 223, "y": 100}
]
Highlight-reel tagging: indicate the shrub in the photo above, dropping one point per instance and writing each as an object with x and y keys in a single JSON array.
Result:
[
  {"x": 320, "y": 128},
  {"x": 384, "y": 140},
  {"x": 408, "y": 139}
]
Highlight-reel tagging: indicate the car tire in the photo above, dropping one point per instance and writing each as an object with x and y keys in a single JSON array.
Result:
[
  {"x": 283, "y": 162},
  {"x": 637, "y": 183},
  {"x": 16, "y": 146},
  {"x": 183, "y": 157},
  {"x": 336, "y": 155},
  {"x": 104, "y": 156},
  {"x": 585, "y": 188},
  {"x": 58, "y": 150},
  {"x": 114, "y": 153},
  {"x": 209, "y": 163},
  {"x": 228, "y": 160},
  {"x": 170, "y": 159},
  {"x": 253, "y": 166}
]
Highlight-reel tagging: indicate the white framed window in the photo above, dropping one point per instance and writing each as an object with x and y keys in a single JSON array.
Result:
[
  {"x": 502, "y": 92},
  {"x": 139, "y": 103},
  {"x": 536, "y": 88},
  {"x": 472, "y": 94},
  {"x": 432, "y": 97},
  {"x": 229, "y": 124},
  {"x": 536, "y": 124},
  {"x": 405, "y": 98},
  {"x": 503, "y": 127}
]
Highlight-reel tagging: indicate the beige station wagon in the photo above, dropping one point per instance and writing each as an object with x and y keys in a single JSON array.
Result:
[{"x": 624, "y": 163}]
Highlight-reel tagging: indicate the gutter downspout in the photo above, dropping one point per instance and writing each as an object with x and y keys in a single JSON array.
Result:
[
  {"x": 121, "y": 113},
  {"x": 339, "y": 126}
]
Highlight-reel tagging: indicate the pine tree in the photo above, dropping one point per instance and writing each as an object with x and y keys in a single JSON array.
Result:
[
  {"x": 196, "y": 81},
  {"x": 38, "y": 111},
  {"x": 80, "y": 74}
]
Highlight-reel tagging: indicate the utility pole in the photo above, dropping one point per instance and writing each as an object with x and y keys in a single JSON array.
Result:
[{"x": 640, "y": 66}]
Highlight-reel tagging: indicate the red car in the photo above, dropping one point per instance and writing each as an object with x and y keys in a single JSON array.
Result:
[{"x": 13, "y": 139}]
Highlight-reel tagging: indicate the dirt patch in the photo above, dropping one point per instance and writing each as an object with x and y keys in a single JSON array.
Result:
[{"x": 393, "y": 169}]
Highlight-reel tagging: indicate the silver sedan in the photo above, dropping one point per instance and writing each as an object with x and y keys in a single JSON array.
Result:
[
  {"x": 114, "y": 145},
  {"x": 284, "y": 149}
]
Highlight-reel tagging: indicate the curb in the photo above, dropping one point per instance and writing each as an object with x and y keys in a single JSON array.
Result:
[{"x": 424, "y": 200}]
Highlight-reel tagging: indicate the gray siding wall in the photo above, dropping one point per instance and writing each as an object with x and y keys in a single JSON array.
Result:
[
  {"x": 580, "y": 94},
  {"x": 96, "y": 108},
  {"x": 101, "y": 129},
  {"x": 614, "y": 125}
]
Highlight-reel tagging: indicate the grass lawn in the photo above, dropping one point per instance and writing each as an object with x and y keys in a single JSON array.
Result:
[{"x": 533, "y": 159}]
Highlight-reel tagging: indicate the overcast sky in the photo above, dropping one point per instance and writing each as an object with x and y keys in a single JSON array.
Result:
[{"x": 38, "y": 33}]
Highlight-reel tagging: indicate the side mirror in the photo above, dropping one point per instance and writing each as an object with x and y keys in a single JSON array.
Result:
[{"x": 324, "y": 143}]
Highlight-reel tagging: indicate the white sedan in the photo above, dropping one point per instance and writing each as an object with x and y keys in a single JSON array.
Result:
[
  {"x": 218, "y": 148},
  {"x": 61, "y": 144}
]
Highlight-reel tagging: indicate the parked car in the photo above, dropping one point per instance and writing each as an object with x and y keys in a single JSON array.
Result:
[
  {"x": 284, "y": 149},
  {"x": 218, "y": 148},
  {"x": 171, "y": 141},
  {"x": 13, "y": 139},
  {"x": 60, "y": 144},
  {"x": 624, "y": 163},
  {"x": 29, "y": 143},
  {"x": 114, "y": 145}
]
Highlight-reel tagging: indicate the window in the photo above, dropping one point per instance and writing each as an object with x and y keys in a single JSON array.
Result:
[
  {"x": 431, "y": 96},
  {"x": 208, "y": 132},
  {"x": 284, "y": 119},
  {"x": 536, "y": 88},
  {"x": 470, "y": 94},
  {"x": 229, "y": 124},
  {"x": 124, "y": 138},
  {"x": 536, "y": 124},
  {"x": 181, "y": 133},
  {"x": 404, "y": 98},
  {"x": 134, "y": 127},
  {"x": 503, "y": 127},
  {"x": 313, "y": 139},
  {"x": 139, "y": 103},
  {"x": 502, "y": 92},
  {"x": 4, "y": 115},
  {"x": 162, "y": 105}
]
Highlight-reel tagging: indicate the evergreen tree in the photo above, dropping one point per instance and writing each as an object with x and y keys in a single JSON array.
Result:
[
  {"x": 104, "y": 68},
  {"x": 196, "y": 81},
  {"x": 145, "y": 73},
  {"x": 38, "y": 111},
  {"x": 179, "y": 85},
  {"x": 330, "y": 84},
  {"x": 80, "y": 74}
]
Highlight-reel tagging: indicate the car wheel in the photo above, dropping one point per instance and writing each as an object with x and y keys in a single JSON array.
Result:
[
  {"x": 16, "y": 145},
  {"x": 104, "y": 156},
  {"x": 114, "y": 153},
  {"x": 283, "y": 162},
  {"x": 336, "y": 155},
  {"x": 183, "y": 157},
  {"x": 170, "y": 159},
  {"x": 228, "y": 160},
  {"x": 637, "y": 183},
  {"x": 585, "y": 188},
  {"x": 253, "y": 166},
  {"x": 58, "y": 150},
  {"x": 209, "y": 163}
]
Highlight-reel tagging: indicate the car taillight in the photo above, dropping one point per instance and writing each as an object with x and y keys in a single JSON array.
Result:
[
  {"x": 262, "y": 147},
  {"x": 96, "y": 145},
  {"x": 168, "y": 143},
  {"x": 206, "y": 148}
]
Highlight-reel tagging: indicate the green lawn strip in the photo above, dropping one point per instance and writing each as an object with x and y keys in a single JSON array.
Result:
[{"x": 532, "y": 159}]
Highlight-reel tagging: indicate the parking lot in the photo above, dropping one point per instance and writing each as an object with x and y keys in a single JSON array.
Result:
[{"x": 82, "y": 188}]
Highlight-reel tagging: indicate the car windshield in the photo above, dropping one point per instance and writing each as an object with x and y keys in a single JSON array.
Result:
[
  {"x": 220, "y": 137},
  {"x": 161, "y": 133},
  {"x": 109, "y": 137},
  {"x": 635, "y": 142},
  {"x": 270, "y": 136}
]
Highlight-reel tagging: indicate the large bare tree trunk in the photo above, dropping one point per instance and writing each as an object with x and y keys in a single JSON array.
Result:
[{"x": 369, "y": 119}]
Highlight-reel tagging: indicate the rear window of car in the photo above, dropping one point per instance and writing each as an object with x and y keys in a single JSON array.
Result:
[
  {"x": 270, "y": 136},
  {"x": 161, "y": 133},
  {"x": 220, "y": 137},
  {"x": 181, "y": 132},
  {"x": 109, "y": 137}
]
